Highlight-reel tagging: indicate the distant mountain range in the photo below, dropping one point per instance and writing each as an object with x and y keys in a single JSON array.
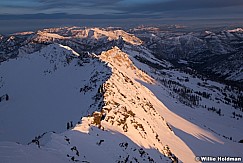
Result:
[{"x": 218, "y": 53}]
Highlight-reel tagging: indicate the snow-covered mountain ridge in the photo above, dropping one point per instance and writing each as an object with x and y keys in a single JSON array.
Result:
[
  {"x": 81, "y": 39},
  {"x": 45, "y": 85},
  {"x": 121, "y": 116},
  {"x": 218, "y": 52},
  {"x": 120, "y": 105}
]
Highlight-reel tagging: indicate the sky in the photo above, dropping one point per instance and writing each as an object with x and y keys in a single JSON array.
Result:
[
  {"x": 120, "y": 9},
  {"x": 68, "y": 12}
]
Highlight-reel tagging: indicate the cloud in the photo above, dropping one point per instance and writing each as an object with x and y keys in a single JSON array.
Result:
[
  {"x": 177, "y": 5},
  {"x": 80, "y": 3},
  {"x": 74, "y": 16},
  {"x": 123, "y": 8}
]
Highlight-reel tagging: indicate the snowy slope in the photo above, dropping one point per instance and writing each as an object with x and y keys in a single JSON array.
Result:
[
  {"x": 136, "y": 114},
  {"x": 140, "y": 138},
  {"x": 202, "y": 129},
  {"x": 44, "y": 91},
  {"x": 82, "y": 144}
]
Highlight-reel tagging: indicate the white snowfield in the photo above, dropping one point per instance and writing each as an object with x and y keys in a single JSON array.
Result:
[
  {"x": 131, "y": 118},
  {"x": 44, "y": 91}
]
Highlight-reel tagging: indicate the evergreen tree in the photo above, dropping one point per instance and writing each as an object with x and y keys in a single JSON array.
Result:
[
  {"x": 7, "y": 97},
  {"x": 71, "y": 124},
  {"x": 68, "y": 126}
]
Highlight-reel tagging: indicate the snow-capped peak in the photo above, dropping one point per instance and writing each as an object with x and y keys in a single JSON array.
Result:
[
  {"x": 121, "y": 61},
  {"x": 236, "y": 30}
]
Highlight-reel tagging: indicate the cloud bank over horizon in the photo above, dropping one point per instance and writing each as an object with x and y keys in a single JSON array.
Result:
[{"x": 120, "y": 9}]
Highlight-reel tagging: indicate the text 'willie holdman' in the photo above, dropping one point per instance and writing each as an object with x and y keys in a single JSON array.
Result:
[{"x": 218, "y": 159}]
